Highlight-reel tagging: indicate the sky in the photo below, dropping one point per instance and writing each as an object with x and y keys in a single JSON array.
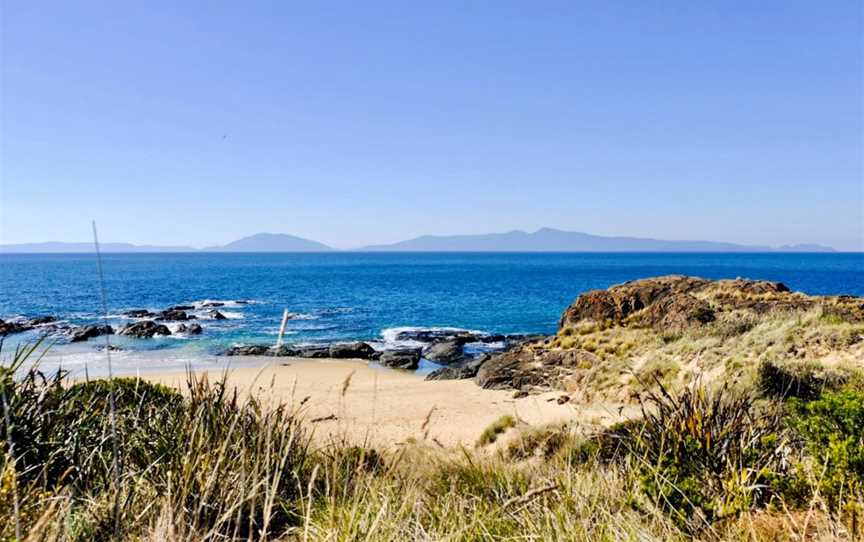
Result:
[{"x": 353, "y": 123}]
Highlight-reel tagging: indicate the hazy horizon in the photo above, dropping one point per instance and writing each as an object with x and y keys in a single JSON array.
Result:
[{"x": 354, "y": 125}]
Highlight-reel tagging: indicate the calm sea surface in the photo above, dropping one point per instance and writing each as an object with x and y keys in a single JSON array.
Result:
[{"x": 367, "y": 295}]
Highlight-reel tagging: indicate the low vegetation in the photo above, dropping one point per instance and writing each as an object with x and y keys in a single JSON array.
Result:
[{"x": 779, "y": 460}]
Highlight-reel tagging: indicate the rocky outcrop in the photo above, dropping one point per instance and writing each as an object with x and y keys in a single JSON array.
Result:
[
  {"x": 181, "y": 308},
  {"x": 173, "y": 315},
  {"x": 216, "y": 315},
  {"x": 354, "y": 350},
  {"x": 445, "y": 352},
  {"x": 530, "y": 366},
  {"x": 83, "y": 333},
  {"x": 403, "y": 358},
  {"x": 606, "y": 333},
  {"x": 145, "y": 329},
  {"x": 8, "y": 328},
  {"x": 212, "y": 304}
]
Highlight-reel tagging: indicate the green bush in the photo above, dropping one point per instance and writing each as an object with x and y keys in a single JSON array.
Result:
[
  {"x": 833, "y": 431},
  {"x": 700, "y": 455}
]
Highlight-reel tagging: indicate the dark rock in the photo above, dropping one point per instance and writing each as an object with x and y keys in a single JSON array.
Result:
[
  {"x": 522, "y": 338},
  {"x": 527, "y": 366},
  {"x": 41, "y": 320},
  {"x": 110, "y": 348},
  {"x": 355, "y": 350},
  {"x": 216, "y": 315},
  {"x": 144, "y": 329},
  {"x": 563, "y": 399},
  {"x": 435, "y": 335},
  {"x": 313, "y": 351},
  {"x": 242, "y": 302},
  {"x": 248, "y": 350},
  {"x": 445, "y": 352},
  {"x": 191, "y": 329},
  {"x": 8, "y": 328},
  {"x": 139, "y": 313},
  {"x": 495, "y": 338},
  {"x": 520, "y": 394},
  {"x": 460, "y": 371},
  {"x": 181, "y": 308},
  {"x": 284, "y": 351},
  {"x": 403, "y": 358},
  {"x": 211, "y": 304},
  {"x": 83, "y": 333},
  {"x": 172, "y": 315}
]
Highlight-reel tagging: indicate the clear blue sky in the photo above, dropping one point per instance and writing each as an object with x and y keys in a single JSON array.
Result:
[{"x": 179, "y": 122}]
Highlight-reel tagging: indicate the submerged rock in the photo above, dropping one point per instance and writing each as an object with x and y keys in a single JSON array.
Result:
[
  {"x": 42, "y": 320},
  {"x": 403, "y": 358},
  {"x": 216, "y": 315},
  {"x": 211, "y": 304},
  {"x": 144, "y": 330},
  {"x": 139, "y": 313},
  {"x": 181, "y": 308},
  {"x": 83, "y": 333}
]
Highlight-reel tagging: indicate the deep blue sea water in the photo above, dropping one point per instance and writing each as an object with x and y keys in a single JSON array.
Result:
[{"x": 362, "y": 295}]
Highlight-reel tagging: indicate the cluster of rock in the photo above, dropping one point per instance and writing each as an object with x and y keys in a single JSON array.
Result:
[
  {"x": 19, "y": 326},
  {"x": 148, "y": 325},
  {"x": 402, "y": 358},
  {"x": 444, "y": 347}
]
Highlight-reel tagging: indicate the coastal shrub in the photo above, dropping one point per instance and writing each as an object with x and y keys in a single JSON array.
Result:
[
  {"x": 498, "y": 427},
  {"x": 221, "y": 464},
  {"x": 701, "y": 455},
  {"x": 799, "y": 380},
  {"x": 832, "y": 427}
]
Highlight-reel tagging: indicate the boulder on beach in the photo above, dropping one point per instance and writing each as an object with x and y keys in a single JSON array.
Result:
[
  {"x": 462, "y": 370},
  {"x": 144, "y": 330},
  {"x": 83, "y": 333},
  {"x": 445, "y": 352},
  {"x": 403, "y": 358},
  {"x": 353, "y": 350},
  {"x": 312, "y": 351},
  {"x": 248, "y": 350}
]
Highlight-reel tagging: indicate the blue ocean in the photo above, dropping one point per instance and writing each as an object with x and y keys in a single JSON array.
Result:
[{"x": 340, "y": 296}]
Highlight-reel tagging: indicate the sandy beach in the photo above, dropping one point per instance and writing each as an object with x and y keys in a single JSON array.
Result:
[{"x": 388, "y": 407}]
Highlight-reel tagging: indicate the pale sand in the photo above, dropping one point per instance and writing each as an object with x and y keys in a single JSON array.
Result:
[{"x": 390, "y": 407}]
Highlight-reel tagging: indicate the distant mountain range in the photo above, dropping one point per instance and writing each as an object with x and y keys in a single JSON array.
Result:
[
  {"x": 542, "y": 240},
  {"x": 551, "y": 240}
]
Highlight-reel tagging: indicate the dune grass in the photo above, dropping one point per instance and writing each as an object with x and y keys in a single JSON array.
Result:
[{"x": 205, "y": 464}]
